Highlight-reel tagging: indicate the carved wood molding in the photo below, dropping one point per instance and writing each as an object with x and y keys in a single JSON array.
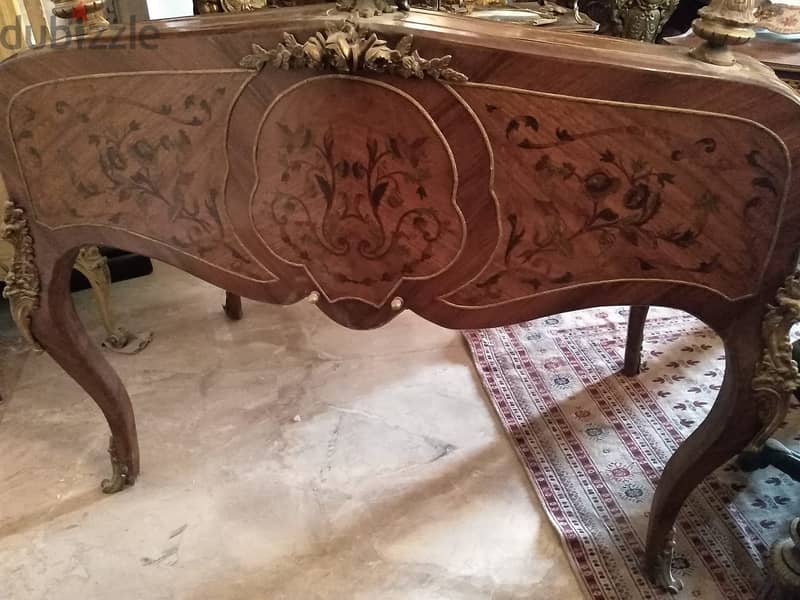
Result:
[
  {"x": 22, "y": 280},
  {"x": 347, "y": 48}
]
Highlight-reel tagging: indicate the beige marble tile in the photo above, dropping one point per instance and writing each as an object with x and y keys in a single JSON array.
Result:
[{"x": 283, "y": 457}]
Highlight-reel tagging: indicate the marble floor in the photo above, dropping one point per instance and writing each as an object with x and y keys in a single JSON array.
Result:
[{"x": 283, "y": 457}]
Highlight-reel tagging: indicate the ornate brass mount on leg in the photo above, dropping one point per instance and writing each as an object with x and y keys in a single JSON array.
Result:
[
  {"x": 661, "y": 571},
  {"x": 119, "y": 475},
  {"x": 784, "y": 566},
  {"x": 722, "y": 24},
  {"x": 776, "y": 376},
  {"x": 22, "y": 280}
]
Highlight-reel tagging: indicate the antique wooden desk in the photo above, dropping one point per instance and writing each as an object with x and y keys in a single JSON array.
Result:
[{"x": 529, "y": 174}]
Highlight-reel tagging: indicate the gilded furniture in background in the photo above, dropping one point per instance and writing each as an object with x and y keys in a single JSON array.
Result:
[
  {"x": 92, "y": 265},
  {"x": 641, "y": 19}
]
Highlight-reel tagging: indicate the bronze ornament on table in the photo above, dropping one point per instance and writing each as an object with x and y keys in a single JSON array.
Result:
[
  {"x": 641, "y": 19},
  {"x": 22, "y": 278},
  {"x": 512, "y": 181}
]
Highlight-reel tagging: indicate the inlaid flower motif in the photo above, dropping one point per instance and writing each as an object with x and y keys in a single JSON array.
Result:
[
  {"x": 356, "y": 204},
  {"x": 599, "y": 183},
  {"x": 637, "y": 196}
]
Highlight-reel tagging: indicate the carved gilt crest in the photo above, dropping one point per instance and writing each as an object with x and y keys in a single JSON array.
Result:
[{"x": 347, "y": 48}]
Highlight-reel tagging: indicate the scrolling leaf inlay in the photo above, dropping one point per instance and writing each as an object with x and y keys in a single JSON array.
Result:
[
  {"x": 379, "y": 179},
  {"x": 623, "y": 198},
  {"x": 362, "y": 205},
  {"x": 776, "y": 376},
  {"x": 347, "y": 48},
  {"x": 366, "y": 213},
  {"x": 588, "y": 192},
  {"x": 22, "y": 281},
  {"x": 135, "y": 164}
]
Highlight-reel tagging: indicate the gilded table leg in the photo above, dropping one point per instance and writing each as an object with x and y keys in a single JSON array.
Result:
[
  {"x": 776, "y": 377},
  {"x": 6, "y": 257},
  {"x": 21, "y": 277},
  {"x": 633, "y": 346},
  {"x": 784, "y": 566},
  {"x": 759, "y": 379},
  {"x": 94, "y": 266}
]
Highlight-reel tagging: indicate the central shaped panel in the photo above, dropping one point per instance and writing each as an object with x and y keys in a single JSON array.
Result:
[{"x": 356, "y": 183}]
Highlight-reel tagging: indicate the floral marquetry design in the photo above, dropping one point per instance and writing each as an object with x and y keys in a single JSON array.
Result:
[
  {"x": 362, "y": 205},
  {"x": 134, "y": 164},
  {"x": 589, "y": 192}
]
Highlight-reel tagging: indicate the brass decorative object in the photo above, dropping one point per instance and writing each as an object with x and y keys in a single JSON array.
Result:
[
  {"x": 776, "y": 376},
  {"x": 89, "y": 14},
  {"x": 119, "y": 475},
  {"x": 347, "y": 48},
  {"x": 662, "y": 570},
  {"x": 783, "y": 566},
  {"x": 22, "y": 280},
  {"x": 722, "y": 24},
  {"x": 641, "y": 19}
]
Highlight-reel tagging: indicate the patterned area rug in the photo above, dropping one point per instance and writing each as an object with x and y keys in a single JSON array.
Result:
[{"x": 594, "y": 443}]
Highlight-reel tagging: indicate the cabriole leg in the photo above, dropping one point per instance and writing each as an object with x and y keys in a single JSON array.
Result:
[
  {"x": 760, "y": 377},
  {"x": 729, "y": 427},
  {"x": 58, "y": 330}
]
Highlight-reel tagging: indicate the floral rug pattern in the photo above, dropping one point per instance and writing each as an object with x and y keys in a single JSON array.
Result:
[{"x": 594, "y": 443}]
